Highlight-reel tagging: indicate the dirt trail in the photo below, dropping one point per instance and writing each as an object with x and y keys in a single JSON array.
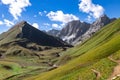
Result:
[
  {"x": 116, "y": 71},
  {"x": 97, "y": 73}
]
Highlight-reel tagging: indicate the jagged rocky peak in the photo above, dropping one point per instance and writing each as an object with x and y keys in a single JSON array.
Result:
[
  {"x": 53, "y": 32},
  {"x": 21, "y": 24},
  {"x": 94, "y": 27},
  {"x": 78, "y": 31},
  {"x": 72, "y": 30},
  {"x": 24, "y": 31},
  {"x": 103, "y": 20}
]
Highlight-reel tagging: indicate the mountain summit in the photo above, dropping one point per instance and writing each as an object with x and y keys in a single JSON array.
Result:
[
  {"x": 73, "y": 30},
  {"x": 95, "y": 26},
  {"x": 25, "y": 33},
  {"x": 28, "y": 49},
  {"x": 76, "y": 31}
]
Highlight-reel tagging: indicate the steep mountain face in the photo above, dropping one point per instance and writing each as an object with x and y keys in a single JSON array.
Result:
[
  {"x": 53, "y": 32},
  {"x": 76, "y": 32},
  {"x": 73, "y": 30},
  {"x": 25, "y": 49},
  {"x": 94, "y": 27},
  {"x": 25, "y": 33},
  {"x": 96, "y": 59}
]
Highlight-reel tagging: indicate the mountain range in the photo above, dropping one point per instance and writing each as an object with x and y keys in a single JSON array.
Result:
[
  {"x": 76, "y": 32},
  {"x": 27, "y": 53},
  {"x": 95, "y": 59},
  {"x": 24, "y": 48}
]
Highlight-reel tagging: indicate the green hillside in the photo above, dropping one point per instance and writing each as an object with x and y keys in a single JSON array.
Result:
[
  {"x": 25, "y": 50},
  {"x": 90, "y": 60}
]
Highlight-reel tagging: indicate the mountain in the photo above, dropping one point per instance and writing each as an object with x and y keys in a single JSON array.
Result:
[
  {"x": 24, "y": 33},
  {"x": 94, "y": 27},
  {"x": 25, "y": 49},
  {"x": 73, "y": 30},
  {"x": 76, "y": 32},
  {"x": 98, "y": 58},
  {"x": 53, "y": 32}
]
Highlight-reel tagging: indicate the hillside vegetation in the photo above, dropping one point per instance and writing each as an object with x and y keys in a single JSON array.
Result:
[
  {"x": 90, "y": 60},
  {"x": 26, "y": 51}
]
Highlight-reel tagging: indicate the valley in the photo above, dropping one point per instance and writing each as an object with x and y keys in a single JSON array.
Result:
[{"x": 59, "y": 40}]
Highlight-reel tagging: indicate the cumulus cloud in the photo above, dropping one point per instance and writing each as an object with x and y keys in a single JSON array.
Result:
[
  {"x": 40, "y": 13},
  {"x": 45, "y": 11},
  {"x": 8, "y": 23},
  {"x": 61, "y": 17},
  {"x": 35, "y": 25},
  {"x": 1, "y": 23},
  {"x": 46, "y": 24},
  {"x": 55, "y": 26},
  {"x": 94, "y": 10},
  {"x": 16, "y": 6}
]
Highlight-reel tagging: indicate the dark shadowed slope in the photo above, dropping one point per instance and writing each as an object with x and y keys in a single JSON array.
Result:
[
  {"x": 25, "y": 33},
  {"x": 91, "y": 55},
  {"x": 25, "y": 50}
]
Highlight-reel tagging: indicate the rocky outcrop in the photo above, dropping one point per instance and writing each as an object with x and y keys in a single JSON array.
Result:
[
  {"x": 73, "y": 30},
  {"x": 94, "y": 27}
]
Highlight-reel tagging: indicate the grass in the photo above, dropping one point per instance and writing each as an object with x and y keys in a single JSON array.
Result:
[
  {"x": 8, "y": 69},
  {"x": 90, "y": 54},
  {"x": 104, "y": 66},
  {"x": 25, "y": 63},
  {"x": 101, "y": 37},
  {"x": 116, "y": 55}
]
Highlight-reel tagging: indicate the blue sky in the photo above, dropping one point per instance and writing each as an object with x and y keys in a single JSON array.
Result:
[{"x": 49, "y": 14}]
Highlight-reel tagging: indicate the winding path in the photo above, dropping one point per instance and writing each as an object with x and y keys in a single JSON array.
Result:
[
  {"x": 116, "y": 71},
  {"x": 97, "y": 73}
]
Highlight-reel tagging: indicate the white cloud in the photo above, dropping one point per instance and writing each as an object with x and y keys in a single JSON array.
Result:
[
  {"x": 45, "y": 12},
  {"x": 1, "y": 23},
  {"x": 92, "y": 9},
  {"x": 89, "y": 18},
  {"x": 40, "y": 13},
  {"x": 46, "y": 24},
  {"x": 61, "y": 17},
  {"x": 62, "y": 25},
  {"x": 8, "y": 23},
  {"x": 16, "y": 6},
  {"x": 35, "y": 25},
  {"x": 55, "y": 25}
]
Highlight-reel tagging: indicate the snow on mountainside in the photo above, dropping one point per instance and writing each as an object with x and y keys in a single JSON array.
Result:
[
  {"x": 73, "y": 30},
  {"x": 94, "y": 27},
  {"x": 76, "y": 31}
]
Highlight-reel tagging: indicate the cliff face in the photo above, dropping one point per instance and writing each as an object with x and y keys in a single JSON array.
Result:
[
  {"x": 73, "y": 30},
  {"x": 94, "y": 27},
  {"x": 76, "y": 32},
  {"x": 27, "y": 33}
]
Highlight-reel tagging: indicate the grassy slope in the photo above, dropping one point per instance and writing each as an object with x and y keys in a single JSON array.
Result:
[
  {"x": 27, "y": 63},
  {"x": 102, "y": 36},
  {"x": 104, "y": 43}
]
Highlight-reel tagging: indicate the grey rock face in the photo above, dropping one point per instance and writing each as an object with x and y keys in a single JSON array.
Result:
[
  {"x": 53, "y": 32},
  {"x": 23, "y": 33},
  {"x": 73, "y": 30},
  {"x": 76, "y": 32},
  {"x": 94, "y": 27}
]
